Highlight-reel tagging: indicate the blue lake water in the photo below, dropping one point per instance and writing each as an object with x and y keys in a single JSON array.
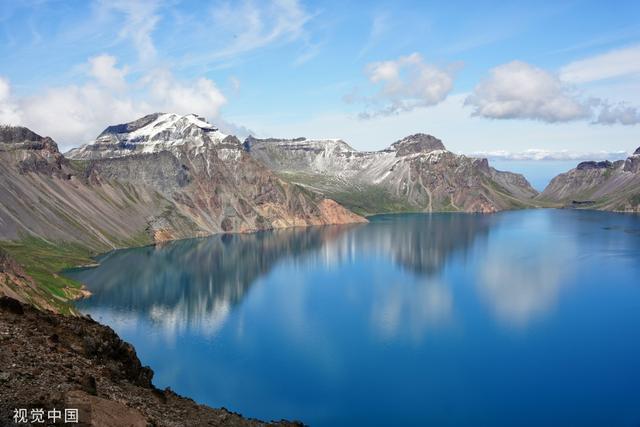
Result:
[{"x": 527, "y": 318}]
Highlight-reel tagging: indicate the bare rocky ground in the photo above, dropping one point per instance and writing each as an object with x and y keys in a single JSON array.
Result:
[{"x": 53, "y": 361}]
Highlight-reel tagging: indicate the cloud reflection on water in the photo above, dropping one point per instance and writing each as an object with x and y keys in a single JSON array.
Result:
[{"x": 196, "y": 284}]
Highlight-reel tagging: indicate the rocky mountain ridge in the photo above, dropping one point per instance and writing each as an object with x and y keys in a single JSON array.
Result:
[
  {"x": 601, "y": 185},
  {"x": 159, "y": 178},
  {"x": 416, "y": 173},
  {"x": 154, "y": 133}
]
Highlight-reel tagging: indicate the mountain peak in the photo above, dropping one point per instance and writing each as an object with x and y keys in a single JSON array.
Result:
[
  {"x": 16, "y": 134},
  {"x": 131, "y": 126},
  {"x": 155, "y": 123},
  {"x": 417, "y": 143},
  {"x": 22, "y": 138},
  {"x": 637, "y": 152},
  {"x": 153, "y": 133}
]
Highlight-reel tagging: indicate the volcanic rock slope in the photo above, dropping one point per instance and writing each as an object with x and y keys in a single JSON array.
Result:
[
  {"x": 604, "y": 185},
  {"x": 161, "y": 177},
  {"x": 416, "y": 173}
]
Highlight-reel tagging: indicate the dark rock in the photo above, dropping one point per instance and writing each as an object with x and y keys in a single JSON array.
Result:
[
  {"x": 131, "y": 126},
  {"x": 15, "y": 134},
  {"x": 227, "y": 224},
  {"x": 637, "y": 151},
  {"x": 594, "y": 165},
  {"x": 482, "y": 164},
  {"x": 632, "y": 164},
  {"x": 11, "y": 305},
  {"x": 88, "y": 383},
  {"x": 417, "y": 143}
]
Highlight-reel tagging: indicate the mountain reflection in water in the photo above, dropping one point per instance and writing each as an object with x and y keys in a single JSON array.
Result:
[
  {"x": 444, "y": 319},
  {"x": 194, "y": 283}
]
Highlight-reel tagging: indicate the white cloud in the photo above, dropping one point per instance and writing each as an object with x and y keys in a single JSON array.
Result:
[
  {"x": 103, "y": 69},
  {"x": 379, "y": 26},
  {"x": 77, "y": 113},
  {"x": 405, "y": 84},
  {"x": 252, "y": 25},
  {"x": 448, "y": 121},
  {"x": 542, "y": 154},
  {"x": 235, "y": 83},
  {"x": 620, "y": 113},
  {"x": 517, "y": 90},
  {"x": 615, "y": 63},
  {"x": 140, "y": 20},
  {"x": 200, "y": 96},
  {"x": 9, "y": 113}
]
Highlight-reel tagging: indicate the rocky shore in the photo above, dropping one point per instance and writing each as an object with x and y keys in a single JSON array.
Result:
[{"x": 52, "y": 361}]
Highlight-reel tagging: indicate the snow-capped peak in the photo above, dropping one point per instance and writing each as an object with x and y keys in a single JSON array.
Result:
[
  {"x": 151, "y": 133},
  {"x": 160, "y": 126}
]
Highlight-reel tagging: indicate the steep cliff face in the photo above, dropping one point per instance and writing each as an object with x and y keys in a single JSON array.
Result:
[
  {"x": 599, "y": 185},
  {"x": 162, "y": 177},
  {"x": 416, "y": 173}
]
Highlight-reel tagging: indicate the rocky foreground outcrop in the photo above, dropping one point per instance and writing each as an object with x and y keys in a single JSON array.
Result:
[
  {"x": 416, "y": 173},
  {"x": 605, "y": 185},
  {"x": 51, "y": 361}
]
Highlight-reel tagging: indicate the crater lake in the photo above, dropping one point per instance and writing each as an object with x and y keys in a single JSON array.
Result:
[{"x": 524, "y": 318}]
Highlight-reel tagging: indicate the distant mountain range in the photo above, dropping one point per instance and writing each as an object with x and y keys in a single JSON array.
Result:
[
  {"x": 416, "y": 173},
  {"x": 605, "y": 185},
  {"x": 168, "y": 176}
]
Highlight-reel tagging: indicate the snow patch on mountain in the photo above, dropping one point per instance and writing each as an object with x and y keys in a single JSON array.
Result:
[{"x": 153, "y": 133}]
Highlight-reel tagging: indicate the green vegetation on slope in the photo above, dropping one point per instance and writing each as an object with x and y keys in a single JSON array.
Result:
[
  {"x": 365, "y": 200},
  {"x": 43, "y": 261},
  {"x": 370, "y": 201}
]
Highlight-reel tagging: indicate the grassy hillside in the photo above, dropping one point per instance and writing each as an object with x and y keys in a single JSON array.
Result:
[{"x": 37, "y": 279}]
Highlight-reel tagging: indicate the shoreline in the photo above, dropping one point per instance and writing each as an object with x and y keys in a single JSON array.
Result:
[
  {"x": 62, "y": 318},
  {"x": 84, "y": 364}
]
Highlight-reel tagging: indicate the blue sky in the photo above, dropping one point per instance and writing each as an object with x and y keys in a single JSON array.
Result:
[{"x": 550, "y": 80}]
